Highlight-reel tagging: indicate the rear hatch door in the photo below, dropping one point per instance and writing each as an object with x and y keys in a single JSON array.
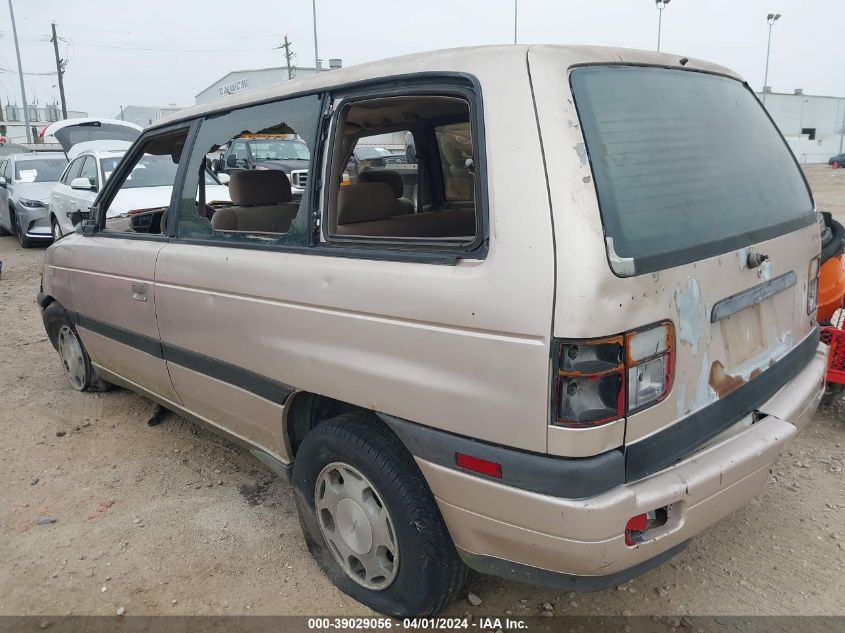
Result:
[
  {"x": 702, "y": 218},
  {"x": 72, "y": 131}
]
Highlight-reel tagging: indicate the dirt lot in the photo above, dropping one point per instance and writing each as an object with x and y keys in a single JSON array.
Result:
[{"x": 172, "y": 520}]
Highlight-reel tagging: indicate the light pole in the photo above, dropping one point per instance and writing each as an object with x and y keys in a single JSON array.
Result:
[
  {"x": 515, "y": 18},
  {"x": 316, "y": 53},
  {"x": 661, "y": 4},
  {"x": 771, "y": 19},
  {"x": 29, "y": 138}
]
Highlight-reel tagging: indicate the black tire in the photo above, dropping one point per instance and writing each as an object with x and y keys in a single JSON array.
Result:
[
  {"x": 832, "y": 393},
  {"x": 55, "y": 229},
  {"x": 55, "y": 321},
  {"x": 430, "y": 571},
  {"x": 4, "y": 232},
  {"x": 23, "y": 240}
]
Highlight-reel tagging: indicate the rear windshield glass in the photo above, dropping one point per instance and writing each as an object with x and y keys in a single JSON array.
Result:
[{"x": 686, "y": 165}]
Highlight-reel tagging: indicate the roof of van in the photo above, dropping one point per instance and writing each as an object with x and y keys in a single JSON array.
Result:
[{"x": 447, "y": 60}]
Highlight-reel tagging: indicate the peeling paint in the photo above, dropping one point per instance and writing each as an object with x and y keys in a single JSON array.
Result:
[
  {"x": 704, "y": 393},
  {"x": 587, "y": 179},
  {"x": 581, "y": 150},
  {"x": 690, "y": 321},
  {"x": 681, "y": 402},
  {"x": 724, "y": 383},
  {"x": 742, "y": 256}
]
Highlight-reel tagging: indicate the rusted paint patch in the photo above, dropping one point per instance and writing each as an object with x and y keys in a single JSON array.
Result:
[{"x": 722, "y": 382}]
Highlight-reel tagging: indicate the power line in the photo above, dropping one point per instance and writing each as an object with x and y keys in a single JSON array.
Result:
[
  {"x": 15, "y": 72},
  {"x": 181, "y": 36},
  {"x": 158, "y": 49}
]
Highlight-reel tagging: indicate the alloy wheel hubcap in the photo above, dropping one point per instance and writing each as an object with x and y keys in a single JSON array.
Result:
[
  {"x": 70, "y": 352},
  {"x": 357, "y": 526},
  {"x": 57, "y": 232}
]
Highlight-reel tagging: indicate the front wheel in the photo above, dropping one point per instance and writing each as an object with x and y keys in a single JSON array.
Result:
[
  {"x": 75, "y": 360},
  {"x": 370, "y": 520},
  {"x": 55, "y": 229},
  {"x": 23, "y": 240}
]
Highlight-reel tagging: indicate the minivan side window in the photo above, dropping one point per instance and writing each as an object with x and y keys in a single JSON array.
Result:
[
  {"x": 372, "y": 204},
  {"x": 268, "y": 204},
  {"x": 139, "y": 200}
]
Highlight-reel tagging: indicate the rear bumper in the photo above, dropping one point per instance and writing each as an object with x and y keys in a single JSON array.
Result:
[{"x": 544, "y": 539}]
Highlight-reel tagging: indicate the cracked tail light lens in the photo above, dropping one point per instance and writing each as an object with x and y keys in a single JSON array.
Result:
[
  {"x": 813, "y": 285},
  {"x": 600, "y": 381},
  {"x": 590, "y": 383}
]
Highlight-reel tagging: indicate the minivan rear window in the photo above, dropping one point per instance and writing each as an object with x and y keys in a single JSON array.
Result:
[{"x": 686, "y": 165}]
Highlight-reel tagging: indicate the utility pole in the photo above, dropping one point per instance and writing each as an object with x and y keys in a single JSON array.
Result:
[
  {"x": 20, "y": 74},
  {"x": 60, "y": 69},
  {"x": 288, "y": 56},
  {"x": 771, "y": 19},
  {"x": 316, "y": 53},
  {"x": 515, "y": 18}
]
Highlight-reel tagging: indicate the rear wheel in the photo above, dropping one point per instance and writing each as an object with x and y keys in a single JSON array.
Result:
[
  {"x": 836, "y": 164},
  {"x": 75, "y": 360},
  {"x": 370, "y": 520}
]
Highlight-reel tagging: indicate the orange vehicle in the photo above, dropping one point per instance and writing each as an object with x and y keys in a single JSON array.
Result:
[{"x": 831, "y": 291}]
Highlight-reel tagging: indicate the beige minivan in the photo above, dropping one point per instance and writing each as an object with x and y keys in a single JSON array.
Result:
[{"x": 575, "y": 333}]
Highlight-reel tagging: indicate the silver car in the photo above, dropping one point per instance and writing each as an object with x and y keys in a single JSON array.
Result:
[
  {"x": 150, "y": 186},
  {"x": 26, "y": 181}
]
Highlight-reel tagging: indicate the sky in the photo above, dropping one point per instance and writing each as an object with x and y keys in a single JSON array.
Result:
[{"x": 161, "y": 52}]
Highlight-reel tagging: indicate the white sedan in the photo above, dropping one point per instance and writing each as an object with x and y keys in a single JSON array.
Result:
[{"x": 150, "y": 185}]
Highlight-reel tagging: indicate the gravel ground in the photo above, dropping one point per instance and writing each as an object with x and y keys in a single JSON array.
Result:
[{"x": 98, "y": 511}]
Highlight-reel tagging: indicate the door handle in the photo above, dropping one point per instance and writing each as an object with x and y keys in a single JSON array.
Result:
[{"x": 139, "y": 292}]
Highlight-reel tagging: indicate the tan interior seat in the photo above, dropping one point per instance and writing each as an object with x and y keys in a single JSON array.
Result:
[
  {"x": 402, "y": 206},
  {"x": 367, "y": 209},
  {"x": 262, "y": 203}
]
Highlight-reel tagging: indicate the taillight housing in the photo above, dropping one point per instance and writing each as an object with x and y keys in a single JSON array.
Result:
[
  {"x": 599, "y": 381},
  {"x": 813, "y": 285}
]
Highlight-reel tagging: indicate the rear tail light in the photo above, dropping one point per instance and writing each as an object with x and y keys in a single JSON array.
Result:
[
  {"x": 637, "y": 526},
  {"x": 602, "y": 380},
  {"x": 813, "y": 285}
]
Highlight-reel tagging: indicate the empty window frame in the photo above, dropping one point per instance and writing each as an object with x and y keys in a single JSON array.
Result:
[
  {"x": 140, "y": 197},
  {"x": 363, "y": 209},
  {"x": 258, "y": 204}
]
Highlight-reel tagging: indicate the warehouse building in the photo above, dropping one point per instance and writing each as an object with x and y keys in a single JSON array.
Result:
[
  {"x": 813, "y": 125},
  {"x": 240, "y": 81},
  {"x": 145, "y": 116}
]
